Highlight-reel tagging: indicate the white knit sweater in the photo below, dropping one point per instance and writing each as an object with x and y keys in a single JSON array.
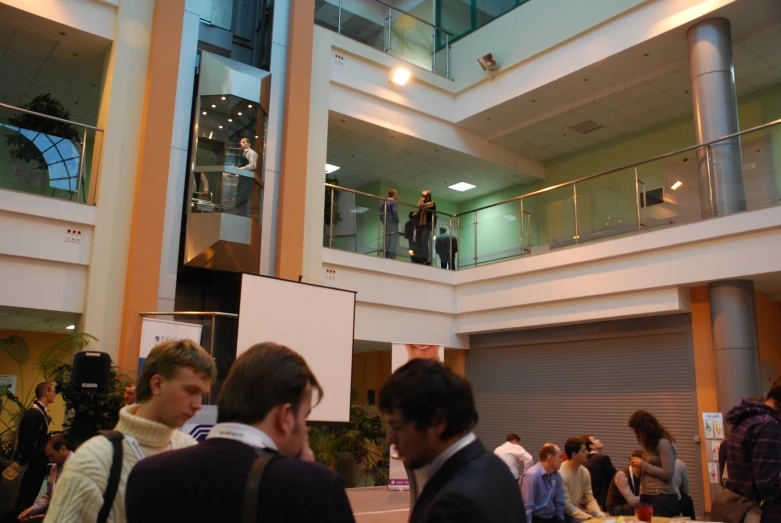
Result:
[{"x": 79, "y": 492}]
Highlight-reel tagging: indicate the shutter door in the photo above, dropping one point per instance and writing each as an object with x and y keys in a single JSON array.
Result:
[{"x": 548, "y": 392}]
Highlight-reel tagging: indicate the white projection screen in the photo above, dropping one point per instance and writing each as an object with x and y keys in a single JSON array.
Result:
[{"x": 317, "y": 322}]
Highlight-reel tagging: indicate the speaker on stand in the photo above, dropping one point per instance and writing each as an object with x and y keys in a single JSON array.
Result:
[{"x": 91, "y": 373}]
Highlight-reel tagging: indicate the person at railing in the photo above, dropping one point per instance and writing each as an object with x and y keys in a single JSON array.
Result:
[
  {"x": 412, "y": 234},
  {"x": 389, "y": 220},
  {"x": 446, "y": 247},
  {"x": 245, "y": 184},
  {"x": 427, "y": 220}
]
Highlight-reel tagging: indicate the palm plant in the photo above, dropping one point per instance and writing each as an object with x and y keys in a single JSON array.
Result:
[{"x": 47, "y": 367}]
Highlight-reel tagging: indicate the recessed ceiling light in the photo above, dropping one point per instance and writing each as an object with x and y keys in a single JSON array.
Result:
[
  {"x": 62, "y": 33},
  {"x": 330, "y": 168},
  {"x": 230, "y": 119},
  {"x": 70, "y": 327},
  {"x": 219, "y": 126},
  {"x": 213, "y": 106},
  {"x": 462, "y": 186},
  {"x": 400, "y": 76},
  {"x": 249, "y": 106},
  {"x": 76, "y": 54},
  {"x": 256, "y": 137},
  {"x": 676, "y": 185},
  {"x": 204, "y": 113},
  {"x": 223, "y": 98},
  {"x": 239, "y": 114}
]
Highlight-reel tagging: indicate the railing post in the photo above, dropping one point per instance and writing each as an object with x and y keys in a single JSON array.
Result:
[
  {"x": 645, "y": 207},
  {"x": 390, "y": 24},
  {"x": 434, "y": 52},
  {"x": 523, "y": 226},
  {"x": 331, "y": 221},
  {"x": 432, "y": 257},
  {"x": 339, "y": 23},
  {"x": 450, "y": 264},
  {"x": 79, "y": 180},
  {"x": 637, "y": 201},
  {"x": 475, "y": 227},
  {"x": 575, "y": 203},
  {"x": 458, "y": 233},
  {"x": 447, "y": 55},
  {"x": 385, "y": 229},
  {"x": 709, "y": 165}
]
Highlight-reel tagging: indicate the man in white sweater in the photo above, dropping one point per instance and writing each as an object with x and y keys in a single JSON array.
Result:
[
  {"x": 579, "y": 502},
  {"x": 514, "y": 456},
  {"x": 175, "y": 378}
]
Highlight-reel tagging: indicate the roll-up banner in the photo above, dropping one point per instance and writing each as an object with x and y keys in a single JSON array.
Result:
[{"x": 401, "y": 353}]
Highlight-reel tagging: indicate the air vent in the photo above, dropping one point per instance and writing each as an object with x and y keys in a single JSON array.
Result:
[{"x": 589, "y": 126}]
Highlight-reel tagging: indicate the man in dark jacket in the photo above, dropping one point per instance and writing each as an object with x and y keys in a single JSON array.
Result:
[
  {"x": 262, "y": 407},
  {"x": 624, "y": 492},
  {"x": 33, "y": 436},
  {"x": 389, "y": 220},
  {"x": 430, "y": 413},
  {"x": 601, "y": 469},
  {"x": 443, "y": 245},
  {"x": 754, "y": 452}
]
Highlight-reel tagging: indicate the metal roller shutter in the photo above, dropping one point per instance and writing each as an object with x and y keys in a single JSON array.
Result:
[{"x": 548, "y": 392}]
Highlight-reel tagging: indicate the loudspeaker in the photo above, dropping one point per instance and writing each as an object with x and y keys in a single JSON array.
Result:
[{"x": 91, "y": 373}]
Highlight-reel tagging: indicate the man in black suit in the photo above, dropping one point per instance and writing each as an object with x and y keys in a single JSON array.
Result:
[
  {"x": 601, "y": 469},
  {"x": 430, "y": 413},
  {"x": 263, "y": 404},
  {"x": 33, "y": 436}
]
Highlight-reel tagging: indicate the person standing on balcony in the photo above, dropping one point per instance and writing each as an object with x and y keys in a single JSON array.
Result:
[
  {"x": 427, "y": 214},
  {"x": 389, "y": 220},
  {"x": 447, "y": 248}
]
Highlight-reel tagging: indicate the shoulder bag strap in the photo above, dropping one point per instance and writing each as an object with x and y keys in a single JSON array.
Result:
[
  {"x": 255, "y": 479},
  {"x": 114, "y": 475}
]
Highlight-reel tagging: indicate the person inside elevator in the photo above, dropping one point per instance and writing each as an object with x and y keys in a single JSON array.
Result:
[{"x": 245, "y": 183}]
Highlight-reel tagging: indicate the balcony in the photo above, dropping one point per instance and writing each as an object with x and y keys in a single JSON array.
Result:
[{"x": 654, "y": 194}]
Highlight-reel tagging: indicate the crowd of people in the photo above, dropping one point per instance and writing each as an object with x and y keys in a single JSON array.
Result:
[{"x": 256, "y": 464}]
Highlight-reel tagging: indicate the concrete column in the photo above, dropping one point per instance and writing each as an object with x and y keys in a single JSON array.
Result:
[
  {"x": 735, "y": 346},
  {"x": 121, "y": 115},
  {"x": 715, "y": 116}
]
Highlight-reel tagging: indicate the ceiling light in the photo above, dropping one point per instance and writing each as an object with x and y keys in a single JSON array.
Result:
[
  {"x": 219, "y": 126},
  {"x": 256, "y": 137},
  {"x": 230, "y": 120},
  {"x": 329, "y": 168},
  {"x": 462, "y": 186},
  {"x": 70, "y": 327},
  {"x": 400, "y": 76},
  {"x": 488, "y": 62},
  {"x": 249, "y": 106},
  {"x": 204, "y": 113},
  {"x": 213, "y": 106},
  {"x": 359, "y": 210},
  {"x": 676, "y": 185},
  {"x": 239, "y": 114},
  {"x": 223, "y": 98}
]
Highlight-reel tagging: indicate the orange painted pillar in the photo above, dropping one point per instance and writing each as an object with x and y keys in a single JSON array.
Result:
[
  {"x": 146, "y": 234},
  {"x": 293, "y": 179}
]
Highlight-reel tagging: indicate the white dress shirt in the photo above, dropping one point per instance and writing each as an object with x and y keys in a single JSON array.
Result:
[{"x": 515, "y": 457}]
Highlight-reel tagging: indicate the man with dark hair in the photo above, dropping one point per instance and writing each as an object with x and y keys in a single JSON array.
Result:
[
  {"x": 58, "y": 451},
  {"x": 430, "y": 413},
  {"x": 446, "y": 247},
  {"x": 579, "y": 500},
  {"x": 262, "y": 410},
  {"x": 601, "y": 469},
  {"x": 514, "y": 456},
  {"x": 33, "y": 435},
  {"x": 754, "y": 452},
  {"x": 542, "y": 487},
  {"x": 170, "y": 390},
  {"x": 624, "y": 492},
  {"x": 389, "y": 221}
]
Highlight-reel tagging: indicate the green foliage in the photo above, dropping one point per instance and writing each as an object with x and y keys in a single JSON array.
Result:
[
  {"x": 22, "y": 148},
  {"x": 363, "y": 438},
  {"x": 333, "y": 180},
  {"x": 47, "y": 366},
  {"x": 87, "y": 414}
]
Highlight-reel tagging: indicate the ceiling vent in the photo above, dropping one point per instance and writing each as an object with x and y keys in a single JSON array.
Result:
[{"x": 589, "y": 126}]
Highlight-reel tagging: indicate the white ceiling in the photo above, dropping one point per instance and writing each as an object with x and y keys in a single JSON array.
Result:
[
  {"x": 757, "y": 64},
  {"x": 41, "y": 56},
  {"x": 36, "y": 320},
  {"x": 366, "y": 153}
]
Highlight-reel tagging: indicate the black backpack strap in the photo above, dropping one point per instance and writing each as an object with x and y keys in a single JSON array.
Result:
[
  {"x": 114, "y": 475},
  {"x": 255, "y": 479}
]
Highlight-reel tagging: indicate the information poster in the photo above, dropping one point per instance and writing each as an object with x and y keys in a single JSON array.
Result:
[
  {"x": 401, "y": 353},
  {"x": 714, "y": 425}
]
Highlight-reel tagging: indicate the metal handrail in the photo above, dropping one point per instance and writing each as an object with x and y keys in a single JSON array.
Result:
[
  {"x": 629, "y": 166},
  {"x": 41, "y": 115},
  {"x": 434, "y": 26},
  {"x": 340, "y": 188}
]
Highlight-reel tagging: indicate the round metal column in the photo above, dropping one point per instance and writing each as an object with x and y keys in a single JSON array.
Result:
[
  {"x": 734, "y": 326},
  {"x": 716, "y": 115}
]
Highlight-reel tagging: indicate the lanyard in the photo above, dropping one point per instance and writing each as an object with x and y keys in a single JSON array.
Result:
[
  {"x": 136, "y": 447},
  {"x": 244, "y": 433}
]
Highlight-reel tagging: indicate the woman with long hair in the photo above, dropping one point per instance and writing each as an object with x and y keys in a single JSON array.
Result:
[{"x": 657, "y": 464}]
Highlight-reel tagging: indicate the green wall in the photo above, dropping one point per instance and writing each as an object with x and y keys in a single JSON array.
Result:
[{"x": 606, "y": 205}]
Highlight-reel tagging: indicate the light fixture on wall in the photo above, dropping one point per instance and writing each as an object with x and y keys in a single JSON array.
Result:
[
  {"x": 400, "y": 76},
  {"x": 70, "y": 327},
  {"x": 488, "y": 62},
  {"x": 676, "y": 185}
]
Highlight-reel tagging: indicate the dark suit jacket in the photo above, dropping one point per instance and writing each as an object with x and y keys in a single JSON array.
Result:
[
  {"x": 602, "y": 471},
  {"x": 33, "y": 436},
  {"x": 473, "y": 486},
  {"x": 206, "y": 483}
]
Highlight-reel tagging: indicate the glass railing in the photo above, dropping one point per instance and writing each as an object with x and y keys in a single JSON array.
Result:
[
  {"x": 733, "y": 174},
  {"x": 48, "y": 156},
  {"x": 226, "y": 191},
  {"x": 398, "y": 33}
]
